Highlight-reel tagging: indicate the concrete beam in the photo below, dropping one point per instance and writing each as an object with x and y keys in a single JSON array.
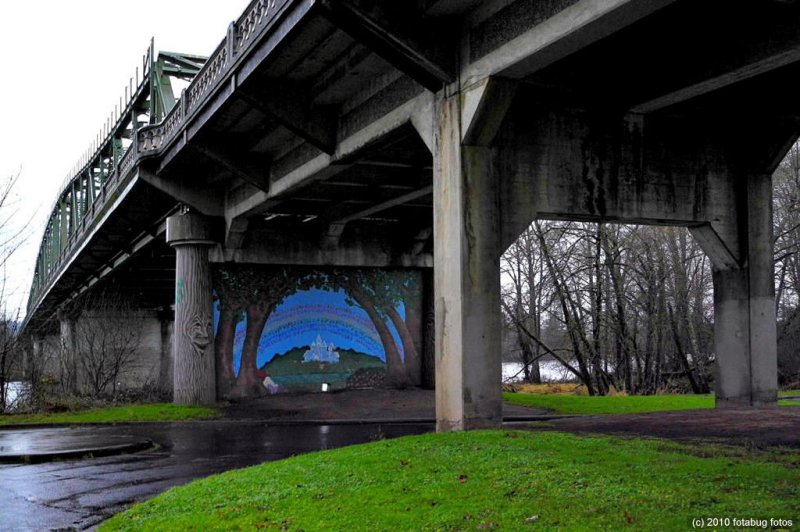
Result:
[
  {"x": 196, "y": 197},
  {"x": 287, "y": 105},
  {"x": 557, "y": 36},
  {"x": 485, "y": 106},
  {"x": 305, "y": 250},
  {"x": 237, "y": 164},
  {"x": 404, "y": 48},
  {"x": 564, "y": 162},
  {"x": 755, "y": 43}
]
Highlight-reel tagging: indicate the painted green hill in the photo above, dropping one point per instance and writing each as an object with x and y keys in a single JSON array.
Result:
[{"x": 291, "y": 363}]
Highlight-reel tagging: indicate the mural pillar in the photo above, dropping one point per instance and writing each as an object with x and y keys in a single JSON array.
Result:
[{"x": 193, "y": 347}]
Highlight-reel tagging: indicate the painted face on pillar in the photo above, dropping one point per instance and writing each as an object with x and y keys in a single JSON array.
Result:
[{"x": 199, "y": 333}]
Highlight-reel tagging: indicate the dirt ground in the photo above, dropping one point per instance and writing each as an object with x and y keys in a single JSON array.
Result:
[{"x": 758, "y": 427}]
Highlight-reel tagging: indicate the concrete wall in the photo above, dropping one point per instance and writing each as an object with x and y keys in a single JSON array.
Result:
[{"x": 140, "y": 340}]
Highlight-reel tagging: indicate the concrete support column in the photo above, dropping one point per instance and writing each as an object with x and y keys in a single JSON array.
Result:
[
  {"x": 35, "y": 359},
  {"x": 744, "y": 308},
  {"x": 68, "y": 356},
  {"x": 466, "y": 276},
  {"x": 193, "y": 346}
]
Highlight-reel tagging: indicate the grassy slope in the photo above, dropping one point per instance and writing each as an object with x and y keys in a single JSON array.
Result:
[
  {"x": 616, "y": 404},
  {"x": 116, "y": 414},
  {"x": 483, "y": 480},
  {"x": 619, "y": 404}
]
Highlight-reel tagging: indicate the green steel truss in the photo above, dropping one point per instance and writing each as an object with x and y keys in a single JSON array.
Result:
[{"x": 148, "y": 98}]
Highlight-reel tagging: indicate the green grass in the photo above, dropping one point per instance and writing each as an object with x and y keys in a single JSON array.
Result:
[
  {"x": 789, "y": 393},
  {"x": 511, "y": 480},
  {"x": 610, "y": 404},
  {"x": 116, "y": 414}
]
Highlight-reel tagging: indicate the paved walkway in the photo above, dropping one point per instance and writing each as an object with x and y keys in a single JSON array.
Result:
[
  {"x": 78, "y": 494},
  {"x": 353, "y": 406}
]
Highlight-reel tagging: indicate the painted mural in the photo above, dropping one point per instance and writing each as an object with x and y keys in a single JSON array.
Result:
[{"x": 289, "y": 329}]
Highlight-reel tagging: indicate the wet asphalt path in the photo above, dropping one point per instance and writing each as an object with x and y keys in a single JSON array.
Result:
[{"x": 78, "y": 494}]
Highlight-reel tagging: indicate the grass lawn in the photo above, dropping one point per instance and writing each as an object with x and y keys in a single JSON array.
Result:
[
  {"x": 512, "y": 480},
  {"x": 610, "y": 404},
  {"x": 116, "y": 414}
]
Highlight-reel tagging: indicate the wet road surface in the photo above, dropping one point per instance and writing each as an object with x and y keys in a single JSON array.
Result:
[{"x": 77, "y": 494}]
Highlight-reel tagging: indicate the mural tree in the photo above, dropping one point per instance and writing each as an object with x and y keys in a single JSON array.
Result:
[
  {"x": 231, "y": 292},
  {"x": 254, "y": 293},
  {"x": 267, "y": 292},
  {"x": 360, "y": 285},
  {"x": 388, "y": 290}
]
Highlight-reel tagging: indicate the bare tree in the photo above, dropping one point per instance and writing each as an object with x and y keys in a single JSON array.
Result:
[
  {"x": 106, "y": 336},
  {"x": 12, "y": 231},
  {"x": 786, "y": 209}
]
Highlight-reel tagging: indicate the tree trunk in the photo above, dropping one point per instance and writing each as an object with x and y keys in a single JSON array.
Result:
[
  {"x": 411, "y": 360},
  {"x": 223, "y": 351},
  {"x": 247, "y": 383},
  {"x": 681, "y": 352},
  {"x": 395, "y": 372}
]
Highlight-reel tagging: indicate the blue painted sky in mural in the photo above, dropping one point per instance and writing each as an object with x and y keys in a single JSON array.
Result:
[{"x": 308, "y": 313}]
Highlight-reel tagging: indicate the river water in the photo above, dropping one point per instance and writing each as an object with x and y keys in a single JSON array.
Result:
[
  {"x": 551, "y": 371},
  {"x": 14, "y": 395}
]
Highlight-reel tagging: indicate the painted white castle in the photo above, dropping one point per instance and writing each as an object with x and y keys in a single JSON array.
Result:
[{"x": 321, "y": 352}]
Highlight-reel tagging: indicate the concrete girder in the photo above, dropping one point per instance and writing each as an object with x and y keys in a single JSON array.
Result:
[
  {"x": 197, "y": 198},
  {"x": 410, "y": 48},
  {"x": 247, "y": 202},
  {"x": 287, "y": 105},
  {"x": 770, "y": 43},
  {"x": 237, "y": 164},
  {"x": 565, "y": 162},
  {"x": 560, "y": 34}
]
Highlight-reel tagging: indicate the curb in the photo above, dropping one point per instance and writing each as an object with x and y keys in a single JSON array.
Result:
[{"x": 86, "y": 452}]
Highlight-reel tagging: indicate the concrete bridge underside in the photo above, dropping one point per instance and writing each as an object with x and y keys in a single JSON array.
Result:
[{"x": 430, "y": 134}]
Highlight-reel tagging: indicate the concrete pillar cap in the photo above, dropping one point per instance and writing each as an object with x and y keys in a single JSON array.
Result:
[{"x": 189, "y": 228}]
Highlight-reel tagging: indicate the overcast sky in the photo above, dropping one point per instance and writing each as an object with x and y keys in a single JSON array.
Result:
[{"x": 65, "y": 64}]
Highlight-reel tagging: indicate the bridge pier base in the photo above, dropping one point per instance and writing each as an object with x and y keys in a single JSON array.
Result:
[{"x": 193, "y": 347}]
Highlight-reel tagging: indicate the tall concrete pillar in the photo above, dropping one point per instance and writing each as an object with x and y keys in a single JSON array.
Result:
[
  {"x": 193, "y": 346},
  {"x": 68, "y": 356},
  {"x": 466, "y": 276},
  {"x": 744, "y": 299}
]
